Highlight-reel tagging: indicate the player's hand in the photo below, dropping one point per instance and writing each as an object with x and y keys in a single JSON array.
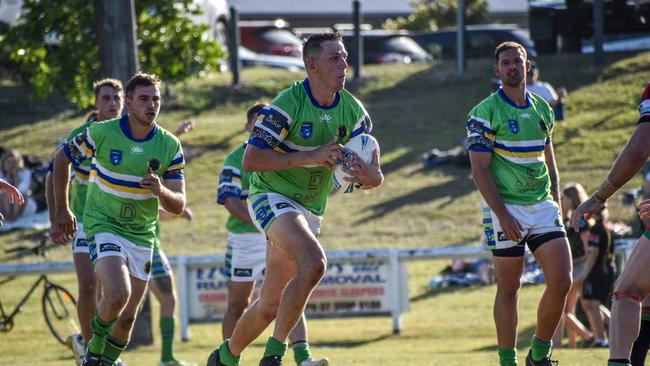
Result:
[
  {"x": 187, "y": 214},
  {"x": 511, "y": 228},
  {"x": 12, "y": 193},
  {"x": 585, "y": 210},
  {"x": 152, "y": 182},
  {"x": 185, "y": 126},
  {"x": 644, "y": 213},
  {"x": 327, "y": 154},
  {"x": 368, "y": 175},
  {"x": 67, "y": 224},
  {"x": 56, "y": 234}
]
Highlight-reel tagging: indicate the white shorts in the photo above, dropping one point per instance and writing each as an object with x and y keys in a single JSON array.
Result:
[
  {"x": 80, "y": 242},
  {"x": 160, "y": 266},
  {"x": 138, "y": 258},
  {"x": 266, "y": 207},
  {"x": 540, "y": 223},
  {"x": 245, "y": 257}
]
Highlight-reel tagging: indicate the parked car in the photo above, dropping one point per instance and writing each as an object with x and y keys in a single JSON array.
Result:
[
  {"x": 481, "y": 40},
  {"x": 270, "y": 37},
  {"x": 249, "y": 58},
  {"x": 382, "y": 46}
]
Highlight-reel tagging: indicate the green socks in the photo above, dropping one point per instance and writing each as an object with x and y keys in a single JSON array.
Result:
[
  {"x": 113, "y": 350},
  {"x": 226, "y": 357},
  {"x": 100, "y": 331},
  {"x": 540, "y": 349},
  {"x": 300, "y": 352},
  {"x": 618, "y": 362},
  {"x": 275, "y": 348},
  {"x": 167, "y": 324},
  {"x": 507, "y": 357}
]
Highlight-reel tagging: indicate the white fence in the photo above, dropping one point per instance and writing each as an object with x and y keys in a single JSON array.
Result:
[{"x": 362, "y": 282}]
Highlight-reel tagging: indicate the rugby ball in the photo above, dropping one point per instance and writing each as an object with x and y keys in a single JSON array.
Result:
[{"x": 363, "y": 145}]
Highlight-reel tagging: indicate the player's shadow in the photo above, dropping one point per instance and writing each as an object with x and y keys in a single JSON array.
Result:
[
  {"x": 433, "y": 292},
  {"x": 350, "y": 343},
  {"x": 523, "y": 340},
  {"x": 460, "y": 185}
]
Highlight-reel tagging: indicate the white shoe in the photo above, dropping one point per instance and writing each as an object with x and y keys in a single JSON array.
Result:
[
  {"x": 320, "y": 362},
  {"x": 78, "y": 348}
]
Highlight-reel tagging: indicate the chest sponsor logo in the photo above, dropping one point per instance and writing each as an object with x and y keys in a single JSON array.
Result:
[
  {"x": 242, "y": 272},
  {"x": 525, "y": 115},
  {"x": 325, "y": 117},
  {"x": 115, "y": 157},
  {"x": 137, "y": 149},
  {"x": 306, "y": 130},
  {"x": 513, "y": 125},
  {"x": 109, "y": 247}
]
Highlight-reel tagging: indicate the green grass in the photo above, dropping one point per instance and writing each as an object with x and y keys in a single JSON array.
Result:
[{"x": 414, "y": 108}]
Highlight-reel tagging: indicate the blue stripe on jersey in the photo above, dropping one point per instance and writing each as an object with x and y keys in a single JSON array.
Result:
[
  {"x": 175, "y": 175},
  {"x": 258, "y": 142},
  {"x": 179, "y": 160},
  {"x": 519, "y": 148},
  {"x": 503, "y": 96},
  {"x": 221, "y": 197},
  {"x": 119, "y": 182},
  {"x": 479, "y": 148},
  {"x": 82, "y": 170},
  {"x": 487, "y": 221},
  {"x": 286, "y": 148}
]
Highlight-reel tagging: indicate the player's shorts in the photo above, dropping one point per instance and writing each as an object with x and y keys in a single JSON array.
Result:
[
  {"x": 265, "y": 208},
  {"x": 597, "y": 286},
  {"x": 245, "y": 257},
  {"x": 80, "y": 242},
  {"x": 138, "y": 258},
  {"x": 540, "y": 223},
  {"x": 160, "y": 264}
]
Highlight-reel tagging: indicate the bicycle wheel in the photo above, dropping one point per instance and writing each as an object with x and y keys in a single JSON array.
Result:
[{"x": 60, "y": 310}]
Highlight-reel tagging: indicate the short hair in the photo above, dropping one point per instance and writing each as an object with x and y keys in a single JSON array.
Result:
[
  {"x": 113, "y": 83},
  {"x": 254, "y": 110},
  {"x": 141, "y": 79},
  {"x": 508, "y": 46},
  {"x": 314, "y": 44}
]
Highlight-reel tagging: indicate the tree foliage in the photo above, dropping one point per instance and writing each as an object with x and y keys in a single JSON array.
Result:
[
  {"x": 434, "y": 14},
  {"x": 56, "y": 50}
]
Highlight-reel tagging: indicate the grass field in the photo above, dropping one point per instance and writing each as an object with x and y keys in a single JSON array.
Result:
[{"x": 414, "y": 108}]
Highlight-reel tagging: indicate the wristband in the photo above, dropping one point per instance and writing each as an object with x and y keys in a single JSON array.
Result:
[{"x": 605, "y": 190}]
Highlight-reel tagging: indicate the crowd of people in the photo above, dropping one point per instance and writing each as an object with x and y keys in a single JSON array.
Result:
[{"x": 128, "y": 175}]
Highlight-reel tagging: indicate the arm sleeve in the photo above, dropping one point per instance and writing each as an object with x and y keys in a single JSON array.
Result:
[
  {"x": 80, "y": 148},
  {"x": 480, "y": 135},
  {"x": 176, "y": 166},
  {"x": 271, "y": 127}
]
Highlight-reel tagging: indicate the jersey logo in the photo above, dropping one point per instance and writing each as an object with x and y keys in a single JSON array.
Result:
[
  {"x": 342, "y": 131},
  {"x": 137, "y": 149},
  {"x": 525, "y": 115},
  {"x": 306, "y": 130},
  {"x": 116, "y": 157},
  {"x": 513, "y": 125},
  {"x": 154, "y": 164},
  {"x": 325, "y": 117}
]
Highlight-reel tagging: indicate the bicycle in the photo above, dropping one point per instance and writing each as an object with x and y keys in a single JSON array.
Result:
[{"x": 58, "y": 304}]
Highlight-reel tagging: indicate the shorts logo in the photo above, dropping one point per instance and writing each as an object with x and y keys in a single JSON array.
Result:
[
  {"x": 147, "y": 267},
  {"x": 261, "y": 214},
  {"x": 81, "y": 243},
  {"x": 306, "y": 130},
  {"x": 116, "y": 157},
  {"x": 513, "y": 125},
  {"x": 501, "y": 236},
  {"x": 242, "y": 272},
  {"x": 109, "y": 247},
  {"x": 282, "y": 205}
]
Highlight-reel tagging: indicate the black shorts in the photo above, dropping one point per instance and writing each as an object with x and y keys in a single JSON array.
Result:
[
  {"x": 597, "y": 286},
  {"x": 533, "y": 241}
]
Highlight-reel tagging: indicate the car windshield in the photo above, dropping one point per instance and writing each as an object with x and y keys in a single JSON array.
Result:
[
  {"x": 402, "y": 44},
  {"x": 279, "y": 36}
]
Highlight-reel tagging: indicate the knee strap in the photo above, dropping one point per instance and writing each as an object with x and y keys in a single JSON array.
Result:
[{"x": 617, "y": 295}]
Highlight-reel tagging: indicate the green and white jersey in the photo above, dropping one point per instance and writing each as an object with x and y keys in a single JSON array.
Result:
[
  {"x": 234, "y": 182},
  {"x": 115, "y": 202},
  {"x": 516, "y": 137},
  {"x": 295, "y": 122},
  {"x": 80, "y": 180}
]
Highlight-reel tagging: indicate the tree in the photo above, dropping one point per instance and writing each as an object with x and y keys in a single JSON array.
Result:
[
  {"x": 434, "y": 14},
  {"x": 56, "y": 49}
]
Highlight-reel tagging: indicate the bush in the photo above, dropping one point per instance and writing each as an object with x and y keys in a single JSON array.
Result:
[{"x": 428, "y": 14}]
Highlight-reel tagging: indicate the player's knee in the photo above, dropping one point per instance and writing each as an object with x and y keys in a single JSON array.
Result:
[
  {"x": 508, "y": 288},
  {"x": 313, "y": 270},
  {"x": 125, "y": 323},
  {"x": 237, "y": 306},
  {"x": 117, "y": 298},
  {"x": 560, "y": 284},
  {"x": 269, "y": 310}
]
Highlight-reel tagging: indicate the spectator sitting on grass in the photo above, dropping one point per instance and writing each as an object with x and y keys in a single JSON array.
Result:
[{"x": 12, "y": 170}]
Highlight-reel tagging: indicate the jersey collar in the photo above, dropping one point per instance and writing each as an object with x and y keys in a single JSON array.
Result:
[
  {"x": 509, "y": 101},
  {"x": 126, "y": 129},
  {"x": 337, "y": 98}
]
